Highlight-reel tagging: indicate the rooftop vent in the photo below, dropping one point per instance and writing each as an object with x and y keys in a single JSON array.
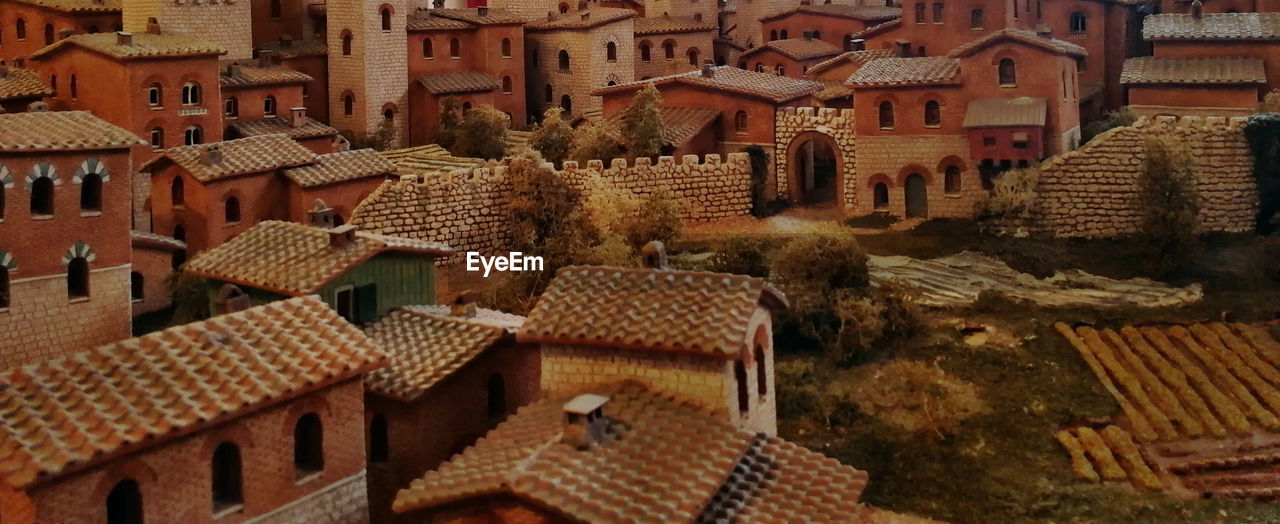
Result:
[
  {"x": 584, "y": 421},
  {"x": 464, "y": 306},
  {"x": 297, "y": 116},
  {"x": 708, "y": 69},
  {"x": 342, "y": 236},
  {"x": 124, "y": 38},
  {"x": 482, "y": 11},
  {"x": 4, "y": 69},
  {"x": 321, "y": 215},
  {"x": 213, "y": 155},
  {"x": 857, "y": 44},
  {"x": 265, "y": 58},
  {"x": 655, "y": 255},
  {"x": 233, "y": 69},
  {"x": 230, "y": 299},
  {"x": 1197, "y": 9}
]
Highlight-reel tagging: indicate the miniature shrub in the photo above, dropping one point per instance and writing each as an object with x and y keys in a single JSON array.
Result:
[
  {"x": 1014, "y": 191},
  {"x": 190, "y": 297},
  {"x": 1270, "y": 103},
  {"x": 742, "y": 256},
  {"x": 591, "y": 142},
  {"x": 482, "y": 133},
  {"x": 1170, "y": 209},
  {"x": 798, "y": 395},
  {"x": 1263, "y": 133},
  {"x": 911, "y": 396},
  {"x": 828, "y": 261},
  {"x": 657, "y": 218},
  {"x": 760, "y": 206},
  {"x": 642, "y": 123},
  {"x": 1111, "y": 120},
  {"x": 447, "y": 130},
  {"x": 553, "y": 136}
]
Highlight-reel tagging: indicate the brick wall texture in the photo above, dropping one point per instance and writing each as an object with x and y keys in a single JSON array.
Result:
[
  {"x": 154, "y": 265},
  {"x": 41, "y": 323}
]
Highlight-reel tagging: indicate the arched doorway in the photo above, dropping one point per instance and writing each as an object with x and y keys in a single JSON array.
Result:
[
  {"x": 917, "y": 196},
  {"x": 815, "y": 170}
]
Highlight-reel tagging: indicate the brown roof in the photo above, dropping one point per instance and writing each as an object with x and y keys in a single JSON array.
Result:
[
  {"x": 296, "y": 48},
  {"x": 430, "y": 158},
  {"x": 798, "y": 48},
  {"x": 1212, "y": 26},
  {"x": 777, "y": 89},
  {"x": 1006, "y": 112},
  {"x": 146, "y": 239},
  {"x": 252, "y": 75},
  {"x": 255, "y": 154},
  {"x": 341, "y": 166},
  {"x": 310, "y": 128},
  {"x": 679, "y": 123},
  {"x": 458, "y": 82},
  {"x": 583, "y": 19},
  {"x": 927, "y": 70},
  {"x": 850, "y": 57},
  {"x": 833, "y": 89},
  {"x": 852, "y": 12},
  {"x": 1203, "y": 70},
  {"x": 490, "y": 16},
  {"x": 1025, "y": 36},
  {"x": 145, "y": 45},
  {"x": 424, "y": 349},
  {"x": 654, "y": 25},
  {"x": 661, "y": 460},
  {"x": 77, "y": 6},
  {"x": 426, "y": 21},
  {"x": 61, "y": 130},
  {"x": 22, "y": 83},
  {"x": 685, "y": 311},
  {"x": 75, "y": 411},
  {"x": 877, "y": 29}
]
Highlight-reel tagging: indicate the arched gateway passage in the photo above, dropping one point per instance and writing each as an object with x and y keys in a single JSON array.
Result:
[{"x": 816, "y": 175}]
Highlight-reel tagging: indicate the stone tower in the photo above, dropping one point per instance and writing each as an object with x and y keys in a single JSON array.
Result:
[
  {"x": 228, "y": 23},
  {"x": 368, "y": 67}
]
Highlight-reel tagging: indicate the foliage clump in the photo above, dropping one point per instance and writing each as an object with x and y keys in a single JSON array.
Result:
[
  {"x": 1167, "y": 198},
  {"x": 593, "y": 142},
  {"x": 190, "y": 296},
  {"x": 642, "y": 123},
  {"x": 1270, "y": 103},
  {"x": 552, "y": 137},
  {"x": 912, "y": 396},
  {"x": 482, "y": 133},
  {"x": 658, "y": 217},
  {"x": 742, "y": 256},
  {"x": 1013, "y": 191},
  {"x": 1110, "y": 120},
  {"x": 447, "y": 129},
  {"x": 381, "y": 139}
]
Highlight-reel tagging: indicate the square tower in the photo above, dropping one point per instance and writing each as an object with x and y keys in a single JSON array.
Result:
[
  {"x": 227, "y": 23},
  {"x": 368, "y": 67}
]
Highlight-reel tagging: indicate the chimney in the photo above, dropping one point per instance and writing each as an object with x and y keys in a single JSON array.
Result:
[
  {"x": 1044, "y": 30},
  {"x": 265, "y": 58},
  {"x": 482, "y": 11},
  {"x": 297, "y": 116},
  {"x": 655, "y": 255},
  {"x": 124, "y": 39},
  {"x": 321, "y": 215},
  {"x": 464, "y": 306},
  {"x": 342, "y": 236},
  {"x": 153, "y": 26},
  {"x": 233, "y": 69},
  {"x": 212, "y": 155},
  {"x": 1197, "y": 9},
  {"x": 584, "y": 421},
  {"x": 708, "y": 69},
  {"x": 230, "y": 299}
]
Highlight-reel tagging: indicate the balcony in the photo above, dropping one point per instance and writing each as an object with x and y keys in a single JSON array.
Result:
[{"x": 193, "y": 111}]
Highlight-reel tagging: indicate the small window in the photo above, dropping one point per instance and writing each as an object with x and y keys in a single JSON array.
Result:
[
  {"x": 124, "y": 503},
  {"x": 817, "y": 34},
  {"x": 886, "y": 115},
  {"x": 136, "y": 286},
  {"x": 466, "y": 108},
  {"x": 932, "y": 114},
  {"x": 21, "y": 29},
  {"x": 1079, "y": 24},
  {"x": 988, "y": 141},
  {"x": 550, "y": 94},
  {"x": 645, "y": 51},
  {"x": 920, "y": 12},
  {"x": 779, "y": 70},
  {"x": 231, "y": 211},
  {"x": 762, "y": 372},
  {"x": 78, "y": 278},
  {"x": 977, "y": 19},
  {"x": 227, "y": 485},
  {"x": 428, "y": 50},
  {"x": 880, "y": 196},
  {"x": 783, "y": 34},
  {"x": 506, "y": 48},
  {"x": 42, "y": 196},
  {"x": 180, "y": 233},
  {"x": 506, "y": 84},
  {"x": 386, "y": 19},
  {"x": 496, "y": 405},
  {"x": 1008, "y": 72},
  {"x": 48, "y": 34},
  {"x": 693, "y": 57},
  {"x": 348, "y": 104},
  {"x": 379, "y": 439},
  {"x": 91, "y": 192},
  {"x": 740, "y": 121},
  {"x": 388, "y": 114},
  {"x": 177, "y": 195},
  {"x": 937, "y": 12},
  {"x": 193, "y": 136},
  {"x": 669, "y": 50},
  {"x": 231, "y": 108},
  {"x": 611, "y": 52},
  {"x": 563, "y": 57},
  {"x": 277, "y": 10},
  {"x": 1020, "y": 142},
  {"x": 759, "y": 67},
  {"x": 154, "y": 95},
  {"x": 951, "y": 182},
  {"x": 75, "y": 91},
  {"x": 157, "y": 138},
  {"x": 308, "y": 445},
  {"x": 744, "y": 395},
  {"x": 4, "y": 287},
  {"x": 455, "y": 48},
  {"x": 346, "y": 44},
  {"x": 191, "y": 94},
  {"x": 269, "y": 106}
]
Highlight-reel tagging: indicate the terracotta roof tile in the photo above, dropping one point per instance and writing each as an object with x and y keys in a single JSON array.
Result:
[
  {"x": 255, "y": 154},
  {"x": 866, "y": 13},
  {"x": 296, "y": 48},
  {"x": 145, "y": 45},
  {"x": 798, "y": 48},
  {"x": 430, "y": 158},
  {"x": 424, "y": 349},
  {"x": 309, "y": 128},
  {"x": 850, "y": 57},
  {"x": 777, "y": 89},
  {"x": 22, "y": 83},
  {"x": 341, "y": 166},
  {"x": 61, "y": 130},
  {"x": 684, "y": 311},
  {"x": 77, "y": 6},
  {"x": 426, "y": 21},
  {"x": 146, "y": 239},
  {"x": 1006, "y": 112},
  {"x": 877, "y": 29},
  {"x": 679, "y": 123},
  {"x": 1205, "y": 70},
  {"x": 661, "y": 460},
  {"x": 833, "y": 89},
  {"x": 1212, "y": 26},
  {"x": 582, "y": 19},
  {"x": 490, "y": 15},
  {"x": 655, "y": 25},
  {"x": 458, "y": 82},
  {"x": 241, "y": 75},
  {"x": 489, "y": 317},
  {"x": 1019, "y": 35},
  {"x": 82, "y": 408},
  {"x": 294, "y": 259},
  {"x": 906, "y": 71}
]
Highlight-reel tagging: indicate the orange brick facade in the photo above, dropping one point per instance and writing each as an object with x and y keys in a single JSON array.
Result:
[
  {"x": 42, "y": 26},
  {"x": 834, "y": 30},
  {"x": 152, "y": 266},
  {"x": 496, "y": 50},
  {"x": 200, "y": 220}
]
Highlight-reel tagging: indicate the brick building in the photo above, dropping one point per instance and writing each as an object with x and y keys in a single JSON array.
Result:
[
  {"x": 685, "y": 130},
  {"x": 292, "y": 19},
  {"x": 258, "y": 91},
  {"x": 26, "y": 26},
  {"x": 64, "y": 234},
  {"x": 309, "y": 57},
  {"x": 251, "y": 415},
  {"x": 368, "y": 66},
  {"x": 295, "y": 124},
  {"x": 1202, "y": 35},
  {"x": 1221, "y": 85},
  {"x": 666, "y": 45},
  {"x": 19, "y": 88},
  {"x": 154, "y": 258},
  {"x": 790, "y": 57},
  {"x": 832, "y": 23},
  {"x": 833, "y": 72},
  {"x": 573, "y": 54},
  {"x": 226, "y": 24},
  {"x": 342, "y": 180},
  {"x": 452, "y": 376}
]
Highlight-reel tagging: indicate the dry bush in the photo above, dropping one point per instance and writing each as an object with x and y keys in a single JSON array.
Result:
[
  {"x": 1270, "y": 103},
  {"x": 1014, "y": 191},
  {"x": 608, "y": 206},
  {"x": 657, "y": 218},
  {"x": 742, "y": 256},
  {"x": 912, "y": 396}
]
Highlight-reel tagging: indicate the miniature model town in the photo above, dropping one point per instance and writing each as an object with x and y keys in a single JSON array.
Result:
[{"x": 646, "y": 261}]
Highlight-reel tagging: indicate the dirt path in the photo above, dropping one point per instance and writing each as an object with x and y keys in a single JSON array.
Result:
[{"x": 795, "y": 221}]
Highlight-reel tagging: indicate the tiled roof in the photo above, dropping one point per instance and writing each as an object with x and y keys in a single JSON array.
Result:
[
  {"x": 430, "y": 158},
  {"x": 833, "y": 89},
  {"x": 1025, "y": 36},
  {"x": 310, "y": 128},
  {"x": 489, "y": 317},
  {"x": 864, "y": 13},
  {"x": 341, "y": 166},
  {"x": 1212, "y": 26},
  {"x": 252, "y": 75},
  {"x": 655, "y": 25},
  {"x": 877, "y": 29},
  {"x": 295, "y": 259},
  {"x": 296, "y": 48},
  {"x": 906, "y": 71},
  {"x": 77, "y": 6},
  {"x": 22, "y": 83},
  {"x": 143, "y": 238},
  {"x": 255, "y": 154},
  {"x": 458, "y": 82},
  {"x": 145, "y": 45},
  {"x": 798, "y": 48},
  {"x": 679, "y": 123},
  {"x": 93, "y": 405},
  {"x": 661, "y": 460},
  {"x": 850, "y": 57},
  {"x": 473, "y": 15},
  {"x": 425, "y": 349},
  {"x": 61, "y": 130},
  {"x": 660, "y": 310},
  {"x": 1203, "y": 70},
  {"x": 774, "y": 88},
  {"x": 582, "y": 19},
  {"x": 426, "y": 21},
  {"x": 1006, "y": 112}
]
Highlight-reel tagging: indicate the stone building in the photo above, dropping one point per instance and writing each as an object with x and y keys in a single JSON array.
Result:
[
  {"x": 155, "y": 257},
  {"x": 250, "y": 416},
  {"x": 226, "y": 24},
  {"x": 453, "y": 374},
  {"x": 788, "y": 57},
  {"x": 834, "y": 24},
  {"x": 64, "y": 234},
  {"x": 368, "y": 65},
  {"x": 1192, "y": 42},
  {"x": 290, "y": 19},
  {"x": 29, "y": 25},
  {"x": 573, "y": 54},
  {"x": 19, "y": 88},
  {"x": 666, "y": 45},
  {"x": 741, "y": 23}
]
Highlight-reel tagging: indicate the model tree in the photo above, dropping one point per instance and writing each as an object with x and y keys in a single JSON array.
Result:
[
  {"x": 1167, "y": 198},
  {"x": 553, "y": 137},
  {"x": 482, "y": 133},
  {"x": 592, "y": 142},
  {"x": 447, "y": 130},
  {"x": 642, "y": 124}
]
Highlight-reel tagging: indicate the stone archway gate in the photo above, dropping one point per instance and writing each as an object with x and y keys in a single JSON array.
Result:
[{"x": 791, "y": 122}]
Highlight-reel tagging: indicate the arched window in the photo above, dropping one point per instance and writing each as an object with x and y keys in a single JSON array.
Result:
[
  {"x": 177, "y": 195},
  {"x": 744, "y": 394},
  {"x": 762, "y": 373},
  {"x": 977, "y": 19},
  {"x": 78, "y": 278},
  {"x": 455, "y": 48},
  {"x": 773, "y": 35},
  {"x": 1008, "y": 72},
  {"x": 388, "y": 114},
  {"x": 740, "y": 121},
  {"x": 550, "y": 95},
  {"x": 269, "y": 106},
  {"x": 154, "y": 95},
  {"x": 91, "y": 192},
  {"x": 951, "y": 182},
  {"x": 157, "y": 138},
  {"x": 693, "y": 56},
  {"x": 466, "y": 108},
  {"x": 932, "y": 114},
  {"x": 759, "y": 67},
  {"x": 75, "y": 92},
  {"x": 779, "y": 70},
  {"x": 564, "y": 8},
  {"x": 506, "y": 48},
  {"x": 645, "y": 52},
  {"x": 506, "y": 84},
  {"x": 193, "y": 135},
  {"x": 669, "y": 50},
  {"x": 276, "y": 10},
  {"x": 42, "y": 196},
  {"x": 48, "y": 34},
  {"x": 124, "y": 503},
  {"x": 566, "y": 103},
  {"x": 783, "y": 34},
  {"x": 817, "y": 34},
  {"x": 880, "y": 195},
  {"x": 227, "y": 485},
  {"x": 191, "y": 94},
  {"x": 497, "y": 397},
  {"x": 379, "y": 439},
  {"x": 427, "y": 49},
  {"x": 563, "y": 57},
  {"x": 4, "y": 287},
  {"x": 386, "y": 18},
  {"x": 348, "y": 104},
  {"x": 611, "y": 52},
  {"x": 1079, "y": 24},
  {"x": 346, "y": 43},
  {"x": 231, "y": 210},
  {"x": 308, "y": 444},
  {"x": 21, "y": 29},
  {"x": 136, "y": 286},
  {"x": 886, "y": 115}
]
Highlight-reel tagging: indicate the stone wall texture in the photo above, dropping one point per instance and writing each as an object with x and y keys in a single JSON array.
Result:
[
  {"x": 891, "y": 159},
  {"x": 227, "y": 23},
  {"x": 1092, "y": 192},
  {"x": 375, "y": 71},
  {"x": 343, "y": 502},
  {"x": 837, "y": 125}
]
